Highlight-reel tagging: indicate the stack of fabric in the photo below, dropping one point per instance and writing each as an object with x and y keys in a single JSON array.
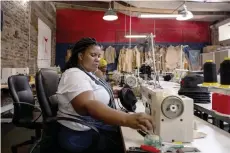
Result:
[{"x": 190, "y": 88}]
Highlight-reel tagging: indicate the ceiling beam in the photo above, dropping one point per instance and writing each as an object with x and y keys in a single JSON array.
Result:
[
  {"x": 120, "y": 7},
  {"x": 103, "y": 6},
  {"x": 64, "y": 5},
  {"x": 211, "y": 13}
]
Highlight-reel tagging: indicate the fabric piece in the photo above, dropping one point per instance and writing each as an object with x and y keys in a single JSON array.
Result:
[
  {"x": 128, "y": 60},
  {"x": 137, "y": 57},
  {"x": 110, "y": 55},
  {"x": 198, "y": 135},
  {"x": 173, "y": 58},
  {"x": 162, "y": 53},
  {"x": 121, "y": 60}
]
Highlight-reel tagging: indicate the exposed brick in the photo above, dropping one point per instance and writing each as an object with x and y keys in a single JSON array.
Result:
[
  {"x": 19, "y": 19},
  {"x": 215, "y": 34}
]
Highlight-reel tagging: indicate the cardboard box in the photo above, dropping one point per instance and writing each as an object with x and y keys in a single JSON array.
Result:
[{"x": 209, "y": 49}]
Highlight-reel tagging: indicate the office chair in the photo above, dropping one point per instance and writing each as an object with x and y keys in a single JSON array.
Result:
[
  {"x": 47, "y": 81},
  {"x": 24, "y": 107}
]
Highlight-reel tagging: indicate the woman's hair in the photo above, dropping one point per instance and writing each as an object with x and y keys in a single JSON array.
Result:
[{"x": 79, "y": 47}]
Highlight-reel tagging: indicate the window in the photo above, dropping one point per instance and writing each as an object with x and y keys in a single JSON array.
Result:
[{"x": 224, "y": 32}]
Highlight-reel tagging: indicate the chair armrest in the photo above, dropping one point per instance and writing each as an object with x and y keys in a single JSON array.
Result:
[
  {"x": 54, "y": 119},
  {"x": 35, "y": 106},
  {"x": 24, "y": 103}
]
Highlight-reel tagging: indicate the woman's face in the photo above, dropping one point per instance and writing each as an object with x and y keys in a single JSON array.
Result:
[
  {"x": 90, "y": 58},
  {"x": 103, "y": 69}
]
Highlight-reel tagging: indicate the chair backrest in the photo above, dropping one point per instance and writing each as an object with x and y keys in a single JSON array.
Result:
[
  {"x": 21, "y": 91},
  {"x": 47, "y": 81}
]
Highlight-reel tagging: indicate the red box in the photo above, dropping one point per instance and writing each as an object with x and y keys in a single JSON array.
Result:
[{"x": 221, "y": 103}]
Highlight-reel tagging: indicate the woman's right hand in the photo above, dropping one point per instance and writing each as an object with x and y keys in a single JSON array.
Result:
[{"x": 140, "y": 121}]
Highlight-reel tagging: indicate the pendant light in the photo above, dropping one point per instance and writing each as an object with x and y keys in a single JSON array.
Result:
[
  {"x": 110, "y": 15},
  {"x": 185, "y": 14}
]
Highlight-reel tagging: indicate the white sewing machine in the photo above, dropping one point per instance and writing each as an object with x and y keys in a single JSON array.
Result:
[
  {"x": 172, "y": 113},
  {"x": 131, "y": 80}
]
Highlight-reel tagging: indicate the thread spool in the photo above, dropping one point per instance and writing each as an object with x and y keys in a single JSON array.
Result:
[
  {"x": 210, "y": 74},
  {"x": 225, "y": 73}
]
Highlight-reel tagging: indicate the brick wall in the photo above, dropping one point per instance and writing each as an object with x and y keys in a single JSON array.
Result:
[
  {"x": 19, "y": 42},
  {"x": 215, "y": 33}
]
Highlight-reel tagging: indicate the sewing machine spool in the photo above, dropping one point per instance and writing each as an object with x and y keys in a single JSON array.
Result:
[
  {"x": 225, "y": 73},
  {"x": 172, "y": 107},
  {"x": 131, "y": 81},
  {"x": 210, "y": 74}
]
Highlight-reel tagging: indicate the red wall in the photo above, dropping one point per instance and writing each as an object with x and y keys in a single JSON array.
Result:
[{"x": 75, "y": 24}]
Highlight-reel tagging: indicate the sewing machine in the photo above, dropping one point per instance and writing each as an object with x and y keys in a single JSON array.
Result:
[{"x": 172, "y": 113}]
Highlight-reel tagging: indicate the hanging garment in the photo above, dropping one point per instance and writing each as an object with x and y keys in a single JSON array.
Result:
[
  {"x": 173, "y": 58},
  {"x": 137, "y": 57},
  {"x": 128, "y": 60},
  {"x": 110, "y": 55},
  {"x": 142, "y": 56},
  {"x": 157, "y": 57},
  {"x": 103, "y": 54},
  {"x": 121, "y": 60},
  {"x": 162, "y": 58}
]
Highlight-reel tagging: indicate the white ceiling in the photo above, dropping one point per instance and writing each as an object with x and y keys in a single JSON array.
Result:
[{"x": 192, "y": 6}]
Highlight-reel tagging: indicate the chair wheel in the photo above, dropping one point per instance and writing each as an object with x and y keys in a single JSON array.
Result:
[{"x": 13, "y": 149}]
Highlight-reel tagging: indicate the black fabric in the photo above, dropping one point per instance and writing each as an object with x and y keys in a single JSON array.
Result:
[
  {"x": 127, "y": 99},
  {"x": 146, "y": 69},
  {"x": 191, "y": 81},
  {"x": 168, "y": 77},
  {"x": 190, "y": 88}
]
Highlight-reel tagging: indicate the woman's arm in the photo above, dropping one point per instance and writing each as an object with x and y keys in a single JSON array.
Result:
[{"x": 85, "y": 103}]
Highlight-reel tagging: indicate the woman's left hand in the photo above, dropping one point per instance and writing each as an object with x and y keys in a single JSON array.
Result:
[{"x": 115, "y": 93}]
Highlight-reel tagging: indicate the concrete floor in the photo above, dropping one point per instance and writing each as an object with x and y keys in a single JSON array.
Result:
[{"x": 11, "y": 135}]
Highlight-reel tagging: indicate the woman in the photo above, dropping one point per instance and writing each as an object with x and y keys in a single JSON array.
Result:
[
  {"x": 101, "y": 72},
  {"x": 88, "y": 96}
]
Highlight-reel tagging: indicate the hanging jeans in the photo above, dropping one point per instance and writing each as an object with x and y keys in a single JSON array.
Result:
[{"x": 78, "y": 141}]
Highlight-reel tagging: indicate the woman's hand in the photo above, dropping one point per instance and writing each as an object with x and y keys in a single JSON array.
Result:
[
  {"x": 115, "y": 93},
  {"x": 140, "y": 121}
]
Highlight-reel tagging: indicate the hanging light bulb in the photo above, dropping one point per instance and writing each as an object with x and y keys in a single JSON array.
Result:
[
  {"x": 185, "y": 14},
  {"x": 110, "y": 15}
]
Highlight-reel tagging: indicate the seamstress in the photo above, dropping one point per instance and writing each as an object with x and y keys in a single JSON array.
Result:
[
  {"x": 91, "y": 98},
  {"x": 102, "y": 68}
]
